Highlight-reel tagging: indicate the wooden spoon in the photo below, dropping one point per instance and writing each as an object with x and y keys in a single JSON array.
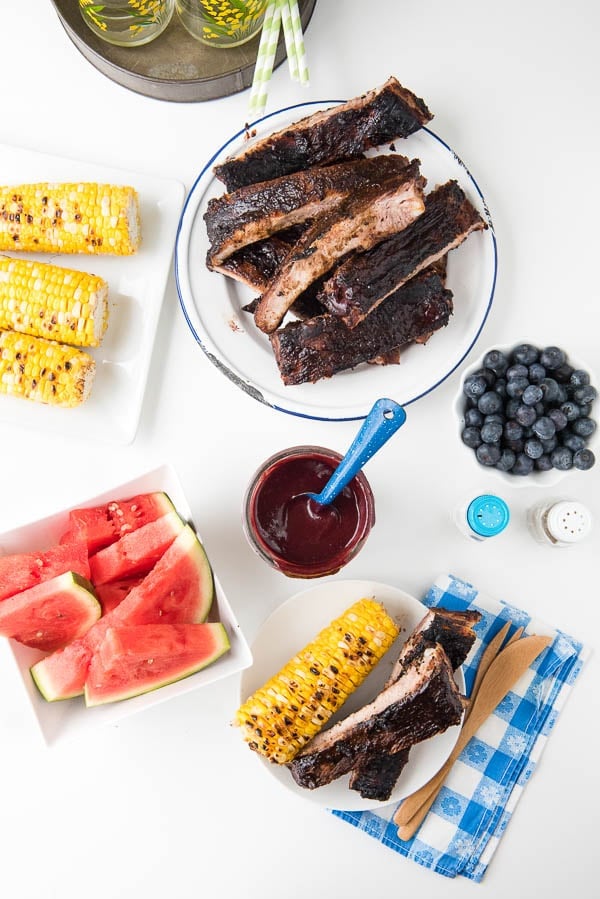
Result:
[{"x": 501, "y": 676}]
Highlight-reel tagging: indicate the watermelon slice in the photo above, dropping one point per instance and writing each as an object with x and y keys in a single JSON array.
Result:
[
  {"x": 137, "y": 552},
  {"x": 51, "y": 614},
  {"x": 99, "y": 526},
  {"x": 112, "y": 594},
  {"x": 178, "y": 590},
  {"x": 134, "y": 660},
  {"x": 20, "y": 571}
]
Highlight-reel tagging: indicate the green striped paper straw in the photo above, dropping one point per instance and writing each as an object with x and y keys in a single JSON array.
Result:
[
  {"x": 265, "y": 59},
  {"x": 290, "y": 40},
  {"x": 299, "y": 41}
]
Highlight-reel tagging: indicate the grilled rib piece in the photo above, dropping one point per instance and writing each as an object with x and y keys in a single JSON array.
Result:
[
  {"x": 376, "y": 776},
  {"x": 343, "y": 132},
  {"x": 257, "y": 264},
  {"x": 361, "y": 221},
  {"x": 425, "y": 701},
  {"x": 256, "y": 211},
  {"x": 306, "y": 351},
  {"x": 364, "y": 280}
]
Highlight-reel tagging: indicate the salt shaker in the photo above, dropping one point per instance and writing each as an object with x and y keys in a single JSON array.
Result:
[
  {"x": 559, "y": 522},
  {"x": 483, "y": 517}
]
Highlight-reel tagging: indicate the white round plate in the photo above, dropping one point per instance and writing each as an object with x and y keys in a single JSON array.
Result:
[
  {"x": 212, "y": 303},
  {"x": 296, "y": 623}
]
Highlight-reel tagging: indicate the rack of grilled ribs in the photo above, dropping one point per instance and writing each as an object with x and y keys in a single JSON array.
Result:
[
  {"x": 419, "y": 699},
  {"x": 340, "y": 248},
  {"x": 375, "y": 776},
  {"x": 345, "y": 131}
]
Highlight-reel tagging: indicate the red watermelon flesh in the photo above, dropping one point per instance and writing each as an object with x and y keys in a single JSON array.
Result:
[
  {"x": 51, "y": 614},
  {"x": 134, "y": 660},
  {"x": 178, "y": 590},
  {"x": 137, "y": 552},
  {"x": 20, "y": 571},
  {"x": 112, "y": 594},
  {"x": 99, "y": 526}
]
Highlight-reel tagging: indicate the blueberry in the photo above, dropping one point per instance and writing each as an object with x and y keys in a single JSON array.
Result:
[
  {"x": 474, "y": 387},
  {"x": 585, "y": 394},
  {"x": 563, "y": 372},
  {"x": 500, "y": 387},
  {"x": 571, "y": 410},
  {"x": 525, "y": 415},
  {"x": 540, "y": 409},
  {"x": 562, "y": 395},
  {"x": 474, "y": 418},
  {"x": 506, "y": 460},
  {"x": 550, "y": 388},
  {"x": 495, "y": 416},
  {"x": 544, "y": 463},
  {"x": 488, "y": 453},
  {"x": 517, "y": 371},
  {"x": 487, "y": 374},
  {"x": 491, "y": 432},
  {"x": 515, "y": 387},
  {"x": 583, "y": 459},
  {"x": 532, "y": 395},
  {"x": 572, "y": 441},
  {"x": 471, "y": 437},
  {"x": 544, "y": 428},
  {"x": 536, "y": 373},
  {"x": 511, "y": 407},
  {"x": 533, "y": 448},
  {"x": 552, "y": 357},
  {"x": 549, "y": 444},
  {"x": 585, "y": 410},
  {"x": 489, "y": 403},
  {"x": 523, "y": 465},
  {"x": 513, "y": 430},
  {"x": 496, "y": 361},
  {"x": 516, "y": 444},
  {"x": 559, "y": 418},
  {"x": 583, "y": 426},
  {"x": 579, "y": 378},
  {"x": 562, "y": 458},
  {"x": 525, "y": 353}
]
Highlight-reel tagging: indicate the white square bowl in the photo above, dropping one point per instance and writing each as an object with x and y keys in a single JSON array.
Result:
[{"x": 65, "y": 718}]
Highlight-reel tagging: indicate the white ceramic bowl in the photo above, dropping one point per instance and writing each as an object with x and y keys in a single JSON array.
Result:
[
  {"x": 58, "y": 720},
  {"x": 536, "y": 478}
]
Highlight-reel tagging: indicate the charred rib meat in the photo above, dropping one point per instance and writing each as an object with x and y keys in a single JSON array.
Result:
[
  {"x": 357, "y": 224},
  {"x": 257, "y": 211},
  {"x": 318, "y": 347},
  {"x": 364, "y": 280},
  {"x": 423, "y": 702},
  {"x": 343, "y": 132}
]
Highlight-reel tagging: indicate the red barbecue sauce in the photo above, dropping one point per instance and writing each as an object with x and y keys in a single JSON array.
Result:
[{"x": 292, "y": 532}]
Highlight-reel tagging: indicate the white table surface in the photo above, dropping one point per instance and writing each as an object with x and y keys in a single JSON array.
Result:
[{"x": 169, "y": 802}]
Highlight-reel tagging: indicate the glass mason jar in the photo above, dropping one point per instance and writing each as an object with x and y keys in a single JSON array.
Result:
[
  {"x": 290, "y": 531},
  {"x": 127, "y": 23},
  {"x": 222, "y": 23}
]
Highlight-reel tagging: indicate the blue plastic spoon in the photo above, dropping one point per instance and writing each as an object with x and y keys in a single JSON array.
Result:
[{"x": 381, "y": 423}]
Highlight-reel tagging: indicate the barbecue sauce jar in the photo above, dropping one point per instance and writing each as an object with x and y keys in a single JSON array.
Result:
[{"x": 292, "y": 533}]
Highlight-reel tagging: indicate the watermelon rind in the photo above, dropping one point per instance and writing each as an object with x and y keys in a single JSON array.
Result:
[
  {"x": 138, "y": 678},
  {"x": 51, "y": 614}
]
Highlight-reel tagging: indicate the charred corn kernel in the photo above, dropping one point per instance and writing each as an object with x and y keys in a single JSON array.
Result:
[
  {"x": 49, "y": 301},
  {"x": 283, "y": 715},
  {"x": 38, "y": 369},
  {"x": 70, "y": 218}
]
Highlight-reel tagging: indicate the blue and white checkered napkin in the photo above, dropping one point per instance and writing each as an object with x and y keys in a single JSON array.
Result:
[{"x": 473, "y": 808}]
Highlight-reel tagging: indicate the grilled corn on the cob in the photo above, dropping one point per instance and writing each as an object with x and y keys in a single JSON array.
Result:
[
  {"x": 49, "y": 301},
  {"x": 80, "y": 217},
  {"x": 43, "y": 370},
  {"x": 291, "y": 708}
]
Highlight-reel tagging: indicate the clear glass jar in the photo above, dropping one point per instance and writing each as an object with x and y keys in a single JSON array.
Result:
[
  {"x": 483, "y": 517},
  {"x": 222, "y": 23},
  {"x": 559, "y": 522},
  {"x": 127, "y": 23},
  {"x": 294, "y": 534}
]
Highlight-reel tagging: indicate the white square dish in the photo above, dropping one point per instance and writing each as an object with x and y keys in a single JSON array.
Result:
[
  {"x": 62, "y": 719},
  {"x": 136, "y": 288}
]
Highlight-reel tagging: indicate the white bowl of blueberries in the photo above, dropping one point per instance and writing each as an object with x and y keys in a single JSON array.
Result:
[{"x": 526, "y": 412}]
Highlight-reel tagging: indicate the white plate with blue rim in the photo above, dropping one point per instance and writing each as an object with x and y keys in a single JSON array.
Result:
[{"x": 213, "y": 304}]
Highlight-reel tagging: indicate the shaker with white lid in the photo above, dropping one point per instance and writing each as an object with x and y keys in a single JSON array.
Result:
[{"x": 559, "y": 522}]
